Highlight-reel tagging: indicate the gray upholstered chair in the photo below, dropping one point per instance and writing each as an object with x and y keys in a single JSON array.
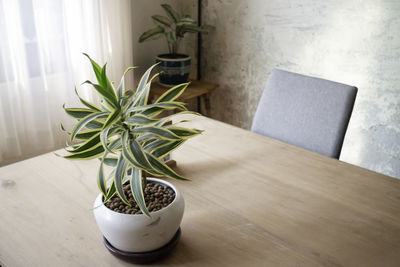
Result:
[{"x": 305, "y": 111}]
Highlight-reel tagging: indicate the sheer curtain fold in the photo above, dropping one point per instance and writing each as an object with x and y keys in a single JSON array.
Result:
[{"x": 41, "y": 61}]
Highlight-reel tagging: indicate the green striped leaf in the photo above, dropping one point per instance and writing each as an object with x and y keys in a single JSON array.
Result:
[
  {"x": 160, "y": 106},
  {"x": 171, "y": 37},
  {"x": 172, "y": 93},
  {"x": 142, "y": 97},
  {"x": 141, "y": 86},
  {"x": 111, "y": 191},
  {"x": 125, "y": 100},
  {"x": 140, "y": 119},
  {"x": 146, "y": 137},
  {"x": 112, "y": 174},
  {"x": 194, "y": 29},
  {"x": 78, "y": 113},
  {"x": 108, "y": 96},
  {"x": 186, "y": 21},
  {"x": 151, "y": 34},
  {"x": 94, "y": 125},
  {"x": 106, "y": 105},
  {"x": 137, "y": 190},
  {"x": 113, "y": 117},
  {"x": 163, "y": 133},
  {"x": 119, "y": 175},
  {"x": 121, "y": 87},
  {"x": 127, "y": 176},
  {"x": 171, "y": 13},
  {"x": 92, "y": 153},
  {"x": 155, "y": 75},
  {"x": 90, "y": 143},
  {"x": 154, "y": 144},
  {"x": 81, "y": 135},
  {"x": 168, "y": 118},
  {"x": 101, "y": 181},
  {"x": 161, "y": 167},
  {"x": 67, "y": 144},
  {"x": 103, "y": 81},
  {"x": 145, "y": 95},
  {"x": 161, "y": 21},
  {"x": 184, "y": 132},
  {"x": 127, "y": 154},
  {"x": 137, "y": 160},
  {"x": 154, "y": 36},
  {"x": 115, "y": 144},
  {"x": 130, "y": 159},
  {"x": 187, "y": 18},
  {"x": 164, "y": 150},
  {"x": 96, "y": 69},
  {"x": 109, "y": 161},
  {"x": 183, "y": 23},
  {"x": 138, "y": 153},
  {"x": 86, "y": 134},
  {"x": 84, "y": 121},
  {"x": 154, "y": 111},
  {"x": 107, "y": 84},
  {"x": 104, "y": 139},
  {"x": 86, "y": 103}
]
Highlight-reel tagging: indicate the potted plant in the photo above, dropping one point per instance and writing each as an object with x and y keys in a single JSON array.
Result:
[
  {"x": 136, "y": 214},
  {"x": 174, "y": 67}
]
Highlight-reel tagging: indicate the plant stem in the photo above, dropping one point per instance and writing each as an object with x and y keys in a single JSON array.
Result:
[
  {"x": 169, "y": 47},
  {"x": 178, "y": 40},
  {"x": 174, "y": 48}
]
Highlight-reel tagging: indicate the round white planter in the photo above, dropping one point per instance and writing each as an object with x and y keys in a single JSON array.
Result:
[{"x": 136, "y": 232}]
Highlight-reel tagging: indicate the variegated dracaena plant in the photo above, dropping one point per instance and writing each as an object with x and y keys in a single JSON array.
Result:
[{"x": 127, "y": 133}]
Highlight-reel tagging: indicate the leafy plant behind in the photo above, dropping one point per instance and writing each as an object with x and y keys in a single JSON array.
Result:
[
  {"x": 127, "y": 133},
  {"x": 173, "y": 28}
]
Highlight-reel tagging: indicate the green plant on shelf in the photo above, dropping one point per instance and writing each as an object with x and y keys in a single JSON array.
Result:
[{"x": 173, "y": 28}]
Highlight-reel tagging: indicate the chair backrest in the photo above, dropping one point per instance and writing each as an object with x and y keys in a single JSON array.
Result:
[{"x": 305, "y": 111}]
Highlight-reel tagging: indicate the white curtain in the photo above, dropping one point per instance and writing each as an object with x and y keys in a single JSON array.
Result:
[{"x": 41, "y": 45}]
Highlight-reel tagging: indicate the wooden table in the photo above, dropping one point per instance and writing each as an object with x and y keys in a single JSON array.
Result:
[
  {"x": 197, "y": 89},
  {"x": 252, "y": 201}
]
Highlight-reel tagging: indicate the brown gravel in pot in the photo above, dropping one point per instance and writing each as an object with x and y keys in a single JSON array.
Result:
[{"x": 157, "y": 196}]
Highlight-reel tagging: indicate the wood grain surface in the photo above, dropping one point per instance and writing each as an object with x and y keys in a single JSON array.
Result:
[
  {"x": 196, "y": 88},
  {"x": 252, "y": 201}
]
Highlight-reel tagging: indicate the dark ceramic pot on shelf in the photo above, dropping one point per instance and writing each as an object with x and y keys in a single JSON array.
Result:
[{"x": 174, "y": 68}]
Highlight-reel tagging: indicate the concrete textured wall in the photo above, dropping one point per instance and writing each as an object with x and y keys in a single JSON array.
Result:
[{"x": 350, "y": 41}]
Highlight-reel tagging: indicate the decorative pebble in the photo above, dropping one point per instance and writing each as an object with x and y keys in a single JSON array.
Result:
[{"x": 156, "y": 197}]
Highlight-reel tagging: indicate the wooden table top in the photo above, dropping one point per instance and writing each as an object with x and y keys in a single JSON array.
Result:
[
  {"x": 196, "y": 88},
  {"x": 252, "y": 201}
]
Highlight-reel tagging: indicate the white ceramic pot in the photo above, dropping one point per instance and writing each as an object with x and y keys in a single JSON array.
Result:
[{"x": 136, "y": 232}]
